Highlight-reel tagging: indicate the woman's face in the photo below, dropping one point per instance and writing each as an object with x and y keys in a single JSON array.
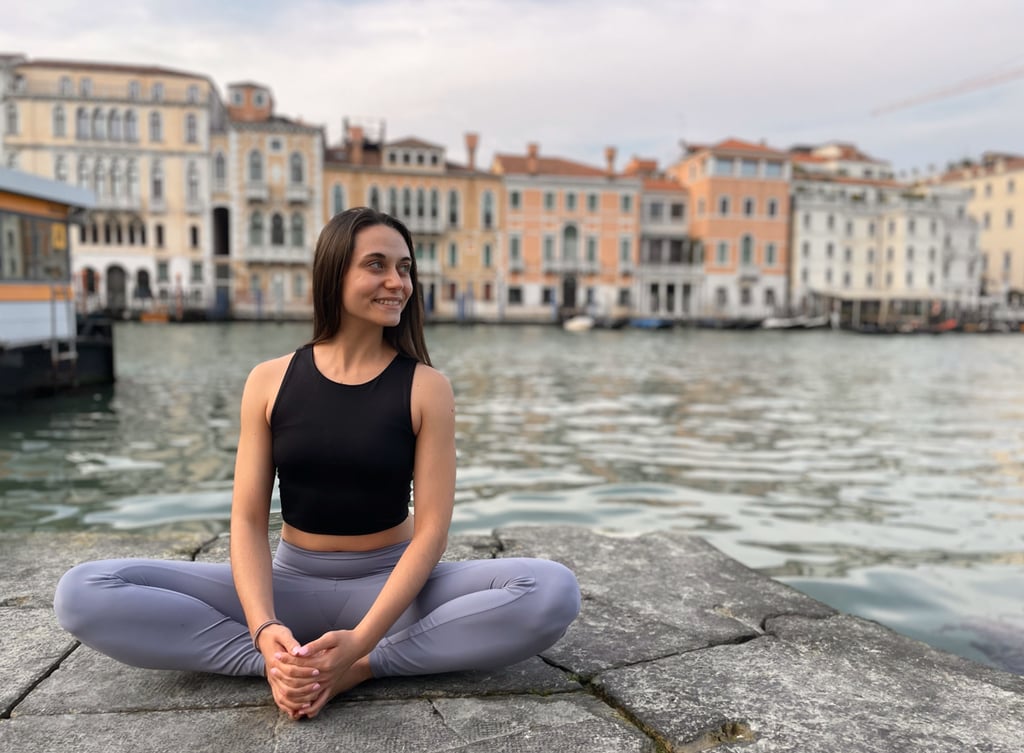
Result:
[{"x": 378, "y": 282}]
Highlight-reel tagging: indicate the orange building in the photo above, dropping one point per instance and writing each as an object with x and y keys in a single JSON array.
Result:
[
  {"x": 739, "y": 192},
  {"x": 573, "y": 234}
]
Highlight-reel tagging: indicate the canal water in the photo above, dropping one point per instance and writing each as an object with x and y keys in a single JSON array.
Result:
[{"x": 881, "y": 475}]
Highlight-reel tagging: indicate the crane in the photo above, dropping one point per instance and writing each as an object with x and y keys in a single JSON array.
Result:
[{"x": 962, "y": 87}]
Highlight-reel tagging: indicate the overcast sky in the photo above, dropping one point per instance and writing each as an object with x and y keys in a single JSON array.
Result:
[{"x": 576, "y": 76}]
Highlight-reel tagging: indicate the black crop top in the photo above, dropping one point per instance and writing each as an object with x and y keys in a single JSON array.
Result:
[{"x": 344, "y": 453}]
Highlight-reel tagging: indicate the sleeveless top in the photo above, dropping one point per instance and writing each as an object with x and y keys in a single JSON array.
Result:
[{"x": 344, "y": 453}]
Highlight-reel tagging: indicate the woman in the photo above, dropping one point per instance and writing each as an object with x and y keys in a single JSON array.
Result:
[{"x": 356, "y": 589}]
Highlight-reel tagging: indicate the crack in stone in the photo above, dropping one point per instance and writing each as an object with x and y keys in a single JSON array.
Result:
[
  {"x": 764, "y": 622},
  {"x": 199, "y": 550},
  {"x": 49, "y": 671}
]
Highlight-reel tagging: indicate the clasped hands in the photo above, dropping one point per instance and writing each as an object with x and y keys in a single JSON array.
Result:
[{"x": 303, "y": 678}]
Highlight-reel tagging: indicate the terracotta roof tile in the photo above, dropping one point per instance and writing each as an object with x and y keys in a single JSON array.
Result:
[
  {"x": 517, "y": 164},
  {"x": 738, "y": 145},
  {"x": 664, "y": 184},
  {"x": 414, "y": 143}
]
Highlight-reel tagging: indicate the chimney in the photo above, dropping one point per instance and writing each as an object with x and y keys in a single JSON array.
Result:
[
  {"x": 471, "y": 142},
  {"x": 355, "y": 136},
  {"x": 531, "y": 158},
  {"x": 609, "y": 158}
]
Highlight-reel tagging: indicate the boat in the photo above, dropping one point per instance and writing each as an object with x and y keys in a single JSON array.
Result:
[
  {"x": 578, "y": 323},
  {"x": 799, "y": 322},
  {"x": 650, "y": 322}
]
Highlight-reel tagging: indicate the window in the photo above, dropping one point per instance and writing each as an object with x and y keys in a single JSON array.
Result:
[
  {"x": 748, "y": 168},
  {"x": 655, "y": 211},
  {"x": 773, "y": 169},
  {"x": 570, "y": 201},
  {"x": 192, "y": 94},
  {"x": 807, "y": 220},
  {"x": 275, "y": 145},
  {"x": 435, "y": 203},
  {"x": 277, "y": 229},
  {"x": 829, "y": 250},
  {"x": 99, "y": 129},
  {"x": 1009, "y": 218},
  {"x": 65, "y": 86},
  {"x": 514, "y": 252},
  {"x": 722, "y": 254},
  {"x": 155, "y": 129},
  {"x": 299, "y": 286},
  {"x": 131, "y": 126},
  {"x": 747, "y": 251},
  {"x": 296, "y": 168},
  {"x": 60, "y": 168},
  {"x": 745, "y": 296},
  {"x": 549, "y": 248},
  {"x": 547, "y": 295},
  {"x": 626, "y": 202},
  {"x": 488, "y": 256},
  {"x": 592, "y": 251},
  {"x": 84, "y": 176},
  {"x": 393, "y": 202},
  {"x": 453, "y": 208},
  {"x": 114, "y": 126},
  {"x": 488, "y": 210},
  {"x": 515, "y": 296},
  {"x": 910, "y": 279},
  {"x": 156, "y": 180},
  {"x": 85, "y": 87},
  {"x": 806, "y": 249},
  {"x": 721, "y": 297},
  {"x": 830, "y": 222},
  {"x": 769, "y": 255},
  {"x": 158, "y": 235},
  {"x": 407, "y": 202},
  {"x": 337, "y": 200},
  {"x": 910, "y": 253},
  {"x": 677, "y": 210},
  {"x": 723, "y": 205},
  {"x": 748, "y": 207},
  {"x": 375, "y": 198},
  {"x": 721, "y": 166},
  {"x": 846, "y": 279},
  {"x": 193, "y": 240},
  {"x": 191, "y": 129},
  {"x": 81, "y": 124},
  {"x": 889, "y": 254},
  {"x": 298, "y": 230},
  {"x": 59, "y": 126},
  {"x": 515, "y": 200},
  {"x": 256, "y": 229},
  {"x": 192, "y": 182},
  {"x": 157, "y": 92},
  {"x": 453, "y": 255},
  {"x": 163, "y": 271},
  {"x": 772, "y": 207},
  {"x": 592, "y": 202},
  {"x": 626, "y": 252},
  {"x": 988, "y": 190},
  {"x": 255, "y": 167},
  {"x": 220, "y": 170},
  {"x": 259, "y": 99},
  {"x": 549, "y": 201}
]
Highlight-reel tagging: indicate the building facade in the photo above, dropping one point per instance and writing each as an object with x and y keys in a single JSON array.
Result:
[
  {"x": 573, "y": 235},
  {"x": 138, "y": 137},
  {"x": 452, "y": 210},
  {"x": 739, "y": 195},
  {"x": 995, "y": 189}
]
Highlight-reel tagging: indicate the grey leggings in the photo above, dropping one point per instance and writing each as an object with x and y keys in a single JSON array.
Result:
[{"x": 478, "y": 614}]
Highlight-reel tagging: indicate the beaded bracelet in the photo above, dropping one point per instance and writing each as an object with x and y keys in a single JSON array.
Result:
[{"x": 260, "y": 629}]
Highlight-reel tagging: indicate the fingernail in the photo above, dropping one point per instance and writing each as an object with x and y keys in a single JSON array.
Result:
[
  {"x": 316, "y": 672},
  {"x": 273, "y": 670},
  {"x": 278, "y": 655},
  {"x": 316, "y": 686}
]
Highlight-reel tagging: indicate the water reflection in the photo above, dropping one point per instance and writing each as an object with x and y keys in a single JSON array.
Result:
[{"x": 860, "y": 469}]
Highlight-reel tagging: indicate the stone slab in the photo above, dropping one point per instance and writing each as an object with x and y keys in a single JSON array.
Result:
[
  {"x": 519, "y": 724},
  {"x": 34, "y": 562},
  {"x": 650, "y": 596},
  {"x": 33, "y": 644},
  {"x": 838, "y": 684}
]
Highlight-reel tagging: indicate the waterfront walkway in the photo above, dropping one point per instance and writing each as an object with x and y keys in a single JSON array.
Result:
[{"x": 677, "y": 648}]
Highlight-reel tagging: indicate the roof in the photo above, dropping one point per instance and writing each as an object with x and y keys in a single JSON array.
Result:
[
  {"x": 847, "y": 179},
  {"x": 414, "y": 143},
  {"x": 972, "y": 171},
  {"x": 738, "y": 145},
  {"x": 15, "y": 181},
  {"x": 143, "y": 70},
  {"x": 518, "y": 164},
  {"x": 663, "y": 184}
]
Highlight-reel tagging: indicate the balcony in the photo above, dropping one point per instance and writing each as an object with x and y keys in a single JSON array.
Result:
[
  {"x": 424, "y": 225},
  {"x": 297, "y": 193},
  {"x": 749, "y": 273},
  {"x": 193, "y": 206},
  {"x": 277, "y": 254},
  {"x": 257, "y": 191},
  {"x": 428, "y": 267},
  {"x": 157, "y": 204},
  {"x": 127, "y": 203}
]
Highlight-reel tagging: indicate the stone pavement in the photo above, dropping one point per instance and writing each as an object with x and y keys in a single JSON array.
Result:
[{"x": 677, "y": 648}]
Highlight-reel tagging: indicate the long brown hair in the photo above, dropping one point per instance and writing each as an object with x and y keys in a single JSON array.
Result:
[{"x": 331, "y": 261}]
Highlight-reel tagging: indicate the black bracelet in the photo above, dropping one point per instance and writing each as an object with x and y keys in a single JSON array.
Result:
[{"x": 260, "y": 629}]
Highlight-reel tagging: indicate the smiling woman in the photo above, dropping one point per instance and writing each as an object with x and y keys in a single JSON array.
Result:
[{"x": 356, "y": 588}]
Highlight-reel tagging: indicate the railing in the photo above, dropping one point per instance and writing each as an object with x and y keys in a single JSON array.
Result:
[
  {"x": 104, "y": 92},
  {"x": 297, "y": 193},
  {"x": 257, "y": 191},
  {"x": 282, "y": 254},
  {"x": 119, "y": 202}
]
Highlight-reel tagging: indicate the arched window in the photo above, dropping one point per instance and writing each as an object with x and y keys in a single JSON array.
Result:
[
  {"x": 114, "y": 126},
  {"x": 295, "y": 168},
  {"x": 131, "y": 181},
  {"x": 99, "y": 129},
  {"x": 84, "y": 174},
  {"x": 156, "y": 190},
  {"x": 337, "y": 200},
  {"x": 100, "y": 179},
  {"x": 298, "y": 231},
  {"x": 570, "y": 244},
  {"x": 256, "y": 229},
  {"x": 81, "y": 123},
  {"x": 435, "y": 203},
  {"x": 255, "y": 167},
  {"x": 115, "y": 179},
  {"x": 192, "y": 182},
  {"x": 277, "y": 230},
  {"x": 453, "y": 208},
  {"x": 375, "y": 198},
  {"x": 156, "y": 132},
  {"x": 421, "y": 203},
  {"x": 393, "y": 202},
  {"x": 406, "y": 203},
  {"x": 220, "y": 170},
  {"x": 66, "y": 89},
  {"x": 58, "y": 122},
  {"x": 746, "y": 250},
  {"x": 487, "y": 218},
  {"x": 60, "y": 168},
  {"x": 12, "y": 118},
  {"x": 131, "y": 126},
  {"x": 191, "y": 129}
]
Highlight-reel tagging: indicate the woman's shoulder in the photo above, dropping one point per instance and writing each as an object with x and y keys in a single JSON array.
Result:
[{"x": 268, "y": 374}]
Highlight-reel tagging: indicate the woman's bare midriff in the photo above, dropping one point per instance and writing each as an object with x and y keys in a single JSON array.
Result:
[{"x": 319, "y": 542}]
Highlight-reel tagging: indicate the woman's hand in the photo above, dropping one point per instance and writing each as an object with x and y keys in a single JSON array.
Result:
[
  {"x": 326, "y": 663},
  {"x": 295, "y": 687}
]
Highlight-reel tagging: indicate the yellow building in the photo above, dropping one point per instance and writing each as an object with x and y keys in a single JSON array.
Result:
[
  {"x": 138, "y": 137},
  {"x": 573, "y": 236},
  {"x": 267, "y": 208},
  {"x": 452, "y": 211},
  {"x": 995, "y": 188}
]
